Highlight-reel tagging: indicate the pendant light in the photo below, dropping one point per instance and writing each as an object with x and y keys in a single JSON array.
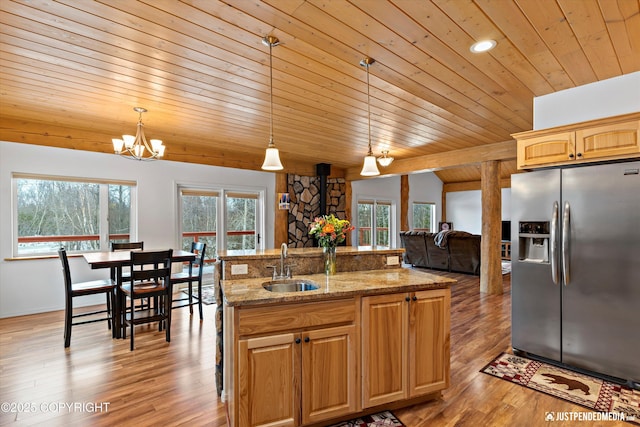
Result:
[
  {"x": 385, "y": 160},
  {"x": 272, "y": 155},
  {"x": 369, "y": 168}
]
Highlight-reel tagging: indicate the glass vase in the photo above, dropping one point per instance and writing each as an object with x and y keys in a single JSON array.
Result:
[{"x": 329, "y": 260}]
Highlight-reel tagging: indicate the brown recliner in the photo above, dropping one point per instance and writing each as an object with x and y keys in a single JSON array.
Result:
[{"x": 415, "y": 248}]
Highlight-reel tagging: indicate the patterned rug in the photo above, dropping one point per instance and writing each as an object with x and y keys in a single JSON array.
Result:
[
  {"x": 208, "y": 294},
  {"x": 385, "y": 418},
  {"x": 609, "y": 399}
]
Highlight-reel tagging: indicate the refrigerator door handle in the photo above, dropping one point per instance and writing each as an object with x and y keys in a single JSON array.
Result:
[
  {"x": 554, "y": 243},
  {"x": 566, "y": 236}
]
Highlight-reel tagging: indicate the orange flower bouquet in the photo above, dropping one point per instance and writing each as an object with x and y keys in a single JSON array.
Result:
[{"x": 329, "y": 230}]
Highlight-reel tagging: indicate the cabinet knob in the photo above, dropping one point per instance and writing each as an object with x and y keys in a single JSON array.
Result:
[
  {"x": 306, "y": 339},
  {"x": 571, "y": 156},
  {"x": 415, "y": 298},
  {"x": 298, "y": 340},
  {"x": 407, "y": 299},
  {"x": 579, "y": 154}
]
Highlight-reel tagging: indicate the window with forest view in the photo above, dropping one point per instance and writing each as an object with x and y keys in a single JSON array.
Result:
[
  {"x": 232, "y": 226},
  {"x": 241, "y": 221},
  {"x": 80, "y": 216},
  {"x": 199, "y": 219},
  {"x": 424, "y": 215},
  {"x": 372, "y": 212}
]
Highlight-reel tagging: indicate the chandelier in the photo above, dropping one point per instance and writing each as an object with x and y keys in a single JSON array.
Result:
[
  {"x": 137, "y": 147},
  {"x": 272, "y": 155},
  {"x": 369, "y": 167}
]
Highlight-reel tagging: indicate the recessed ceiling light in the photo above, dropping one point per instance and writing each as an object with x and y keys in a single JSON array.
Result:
[{"x": 482, "y": 46}]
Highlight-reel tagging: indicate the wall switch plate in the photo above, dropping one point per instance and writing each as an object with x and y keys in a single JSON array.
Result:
[
  {"x": 393, "y": 260},
  {"x": 239, "y": 269}
]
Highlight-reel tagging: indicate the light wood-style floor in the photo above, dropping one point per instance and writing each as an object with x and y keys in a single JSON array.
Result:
[{"x": 162, "y": 384}]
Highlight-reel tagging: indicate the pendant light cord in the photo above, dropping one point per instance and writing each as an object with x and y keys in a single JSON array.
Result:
[
  {"x": 369, "y": 109},
  {"x": 271, "y": 144}
]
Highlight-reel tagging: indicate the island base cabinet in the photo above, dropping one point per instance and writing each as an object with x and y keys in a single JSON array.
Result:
[
  {"x": 329, "y": 373},
  {"x": 298, "y": 377},
  {"x": 405, "y": 345},
  {"x": 429, "y": 341},
  {"x": 268, "y": 368}
]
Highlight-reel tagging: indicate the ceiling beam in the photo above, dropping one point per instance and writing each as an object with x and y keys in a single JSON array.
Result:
[{"x": 456, "y": 158}]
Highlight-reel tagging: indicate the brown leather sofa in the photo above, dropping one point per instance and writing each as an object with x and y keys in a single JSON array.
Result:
[{"x": 460, "y": 251}]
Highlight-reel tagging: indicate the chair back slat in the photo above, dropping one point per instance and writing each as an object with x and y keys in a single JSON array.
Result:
[
  {"x": 150, "y": 266},
  {"x": 120, "y": 246}
]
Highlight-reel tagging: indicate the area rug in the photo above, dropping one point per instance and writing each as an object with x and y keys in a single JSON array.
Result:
[
  {"x": 611, "y": 400},
  {"x": 385, "y": 418},
  {"x": 208, "y": 294}
]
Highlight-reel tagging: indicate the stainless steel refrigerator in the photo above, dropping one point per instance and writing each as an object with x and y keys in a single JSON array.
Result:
[{"x": 575, "y": 283}]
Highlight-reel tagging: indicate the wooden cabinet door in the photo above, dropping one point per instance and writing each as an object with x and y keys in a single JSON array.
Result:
[
  {"x": 543, "y": 150},
  {"x": 429, "y": 341},
  {"x": 268, "y": 381},
  {"x": 385, "y": 321},
  {"x": 329, "y": 373},
  {"x": 620, "y": 139}
]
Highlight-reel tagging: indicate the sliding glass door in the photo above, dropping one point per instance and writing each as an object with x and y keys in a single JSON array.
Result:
[{"x": 223, "y": 219}]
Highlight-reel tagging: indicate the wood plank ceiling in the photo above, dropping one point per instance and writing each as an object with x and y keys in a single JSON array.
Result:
[{"x": 72, "y": 71}]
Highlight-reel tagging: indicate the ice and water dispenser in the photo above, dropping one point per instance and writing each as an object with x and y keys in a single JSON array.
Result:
[{"x": 533, "y": 241}]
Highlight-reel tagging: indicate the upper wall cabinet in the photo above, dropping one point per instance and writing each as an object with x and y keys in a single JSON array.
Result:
[{"x": 611, "y": 138}]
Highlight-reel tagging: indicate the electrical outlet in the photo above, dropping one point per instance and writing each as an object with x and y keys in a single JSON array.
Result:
[
  {"x": 239, "y": 269},
  {"x": 393, "y": 260}
]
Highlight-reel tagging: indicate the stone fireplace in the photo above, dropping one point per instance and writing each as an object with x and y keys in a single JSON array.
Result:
[{"x": 306, "y": 193}]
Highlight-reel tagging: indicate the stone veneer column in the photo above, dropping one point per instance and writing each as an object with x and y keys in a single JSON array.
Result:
[{"x": 304, "y": 192}]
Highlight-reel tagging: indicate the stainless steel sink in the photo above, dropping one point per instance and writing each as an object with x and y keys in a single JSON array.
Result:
[{"x": 290, "y": 285}]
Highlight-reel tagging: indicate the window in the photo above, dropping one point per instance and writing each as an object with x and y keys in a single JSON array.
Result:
[
  {"x": 199, "y": 219},
  {"x": 232, "y": 225},
  {"x": 80, "y": 214},
  {"x": 376, "y": 212},
  {"x": 424, "y": 215},
  {"x": 241, "y": 221}
]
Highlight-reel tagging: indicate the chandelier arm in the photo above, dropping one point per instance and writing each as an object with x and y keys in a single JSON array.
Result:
[{"x": 141, "y": 136}]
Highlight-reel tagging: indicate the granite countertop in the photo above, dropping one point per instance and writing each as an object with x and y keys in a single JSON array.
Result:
[{"x": 243, "y": 292}]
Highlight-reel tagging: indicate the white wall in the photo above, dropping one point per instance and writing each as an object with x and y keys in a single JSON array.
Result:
[
  {"x": 464, "y": 209},
  {"x": 33, "y": 286},
  {"x": 606, "y": 98}
]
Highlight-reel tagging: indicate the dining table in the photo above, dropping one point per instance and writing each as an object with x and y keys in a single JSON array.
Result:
[{"x": 117, "y": 260}]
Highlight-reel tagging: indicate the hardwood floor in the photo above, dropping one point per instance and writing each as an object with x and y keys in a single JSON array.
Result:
[{"x": 172, "y": 384}]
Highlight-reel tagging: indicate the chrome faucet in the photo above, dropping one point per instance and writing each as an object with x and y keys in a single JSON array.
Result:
[
  {"x": 285, "y": 270},
  {"x": 283, "y": 255}
]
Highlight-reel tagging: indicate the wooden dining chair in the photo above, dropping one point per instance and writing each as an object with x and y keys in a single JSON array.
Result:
[
  {"x": 191, "y": 276},
  {"x": 78, "y": 289},
  {"x": 124, "y": 246},
  {"x": 150, "y": 278}
]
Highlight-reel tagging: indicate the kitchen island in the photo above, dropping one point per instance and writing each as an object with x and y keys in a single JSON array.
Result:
[{"x": 363, "y": 341}]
